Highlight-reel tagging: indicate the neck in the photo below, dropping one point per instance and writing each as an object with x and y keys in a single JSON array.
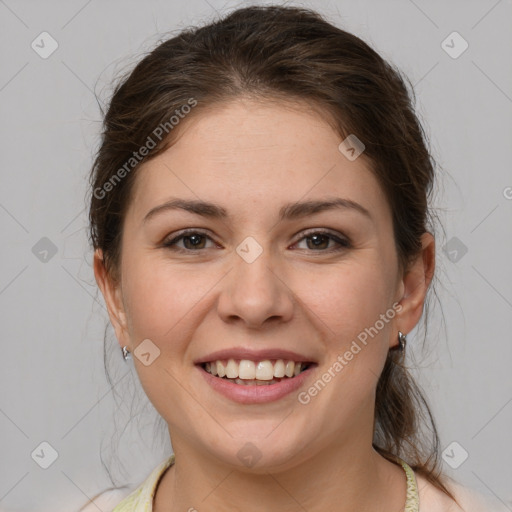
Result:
[{"x": 342, "y": 478}]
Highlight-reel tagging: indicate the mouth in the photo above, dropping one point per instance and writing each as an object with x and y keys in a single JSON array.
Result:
[
  {"x": 247, "y": 372},
  {"x": 249, "y": 376}
]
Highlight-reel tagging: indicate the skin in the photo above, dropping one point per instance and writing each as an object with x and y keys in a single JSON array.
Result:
[{"x": 251, "y": 158}]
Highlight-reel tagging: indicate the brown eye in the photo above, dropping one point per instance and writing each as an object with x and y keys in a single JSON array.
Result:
[
  {"x": 192, "y": 241},
  {"x": 316, "y": 241},
  {"x": 319, "y": 241}
]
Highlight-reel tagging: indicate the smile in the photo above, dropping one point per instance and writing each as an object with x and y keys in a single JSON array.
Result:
[
  {"x": 255, "y": 382},
  {"x": 247, "y": 372}
]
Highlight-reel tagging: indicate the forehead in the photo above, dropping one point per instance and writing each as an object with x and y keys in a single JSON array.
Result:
[{"x": 252, "y": 154}]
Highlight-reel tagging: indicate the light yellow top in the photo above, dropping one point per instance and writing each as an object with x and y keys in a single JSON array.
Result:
[{"x": 141, "y": 499}]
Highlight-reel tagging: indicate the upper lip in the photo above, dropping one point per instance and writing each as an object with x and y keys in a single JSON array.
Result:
[{"x": 254, "y": 355}]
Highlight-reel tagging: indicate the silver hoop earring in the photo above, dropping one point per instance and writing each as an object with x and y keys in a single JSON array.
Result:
[
  {"x": 402, "y": 341},
  {"x": 126, "y": 353}
]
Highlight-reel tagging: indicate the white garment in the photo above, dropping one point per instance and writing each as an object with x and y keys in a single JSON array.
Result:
[
  {"x": 107, "y": 500},
  {"x": 431, "y": 499}
]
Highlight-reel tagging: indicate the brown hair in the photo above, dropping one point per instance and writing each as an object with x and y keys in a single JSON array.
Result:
[{"x": 285, "y": 53}]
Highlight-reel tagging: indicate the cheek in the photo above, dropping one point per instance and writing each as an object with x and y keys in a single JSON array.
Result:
[
  {"x": 167, "y": 303},
  {"x": 163, "y": 298},
  {"x": 346, "y": 307},
  {"x": 347, "y": 298},
  {"x": 163, "y": 302},
  {"x": 160, "y": 295},
  {"x": 349, "y": 302}
]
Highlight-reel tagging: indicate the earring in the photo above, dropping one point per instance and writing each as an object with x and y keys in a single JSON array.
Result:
[
  {"x": 126, "y": 353},
  {"x": 402, "y": 341}
]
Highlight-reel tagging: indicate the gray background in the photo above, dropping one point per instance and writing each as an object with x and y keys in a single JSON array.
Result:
[{"x": 52, "y": 379}]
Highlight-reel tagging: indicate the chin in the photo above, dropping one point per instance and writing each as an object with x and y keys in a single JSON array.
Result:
[{"x": 262, "y": 453}]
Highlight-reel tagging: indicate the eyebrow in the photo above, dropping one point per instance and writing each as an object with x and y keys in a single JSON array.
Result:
[{"x": 287, "y": 212}]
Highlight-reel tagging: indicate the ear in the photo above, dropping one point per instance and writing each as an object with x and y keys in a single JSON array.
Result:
[
  {"x": 111, "y": 291},
  {"x": 414, "y": 285}
]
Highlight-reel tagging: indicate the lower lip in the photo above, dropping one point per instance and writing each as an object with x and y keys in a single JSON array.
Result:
[{"x": 255, "y": 394}]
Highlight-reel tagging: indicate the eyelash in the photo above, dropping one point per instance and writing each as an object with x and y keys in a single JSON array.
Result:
[{"x": 343, "y": 242}]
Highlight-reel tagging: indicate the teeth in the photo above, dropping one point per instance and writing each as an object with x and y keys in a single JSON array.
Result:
[
  {"x": 264, "y": 370},
  {"x": 253, "y": 382},
  {"x": 260, "y": 372},
  {"x": 221, "y": 371},
  {"x": 247, "y": 369},
  {"x": 290, "y": 367},
  {"x": 232, "y": 369},
  {"x": 279, "y": 368}
]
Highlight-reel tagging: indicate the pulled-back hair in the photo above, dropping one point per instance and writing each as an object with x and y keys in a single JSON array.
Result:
[{"x": 284, "y": 54}]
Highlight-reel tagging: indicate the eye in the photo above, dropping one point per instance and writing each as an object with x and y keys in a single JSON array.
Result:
[
  {"x": 320, "y": 240},
  {"x": 316, "y": 241},
  {"x": 193, "y": 241}
]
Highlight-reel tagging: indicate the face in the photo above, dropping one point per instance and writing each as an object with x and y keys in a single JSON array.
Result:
[{"x": 259, "y": 278}]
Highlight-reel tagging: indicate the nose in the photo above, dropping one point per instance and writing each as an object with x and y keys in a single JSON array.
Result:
[{"x": 255, "y": 293}]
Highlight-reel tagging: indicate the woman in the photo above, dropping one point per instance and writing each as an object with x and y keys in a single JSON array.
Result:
[{"x": 263, "y": 241}]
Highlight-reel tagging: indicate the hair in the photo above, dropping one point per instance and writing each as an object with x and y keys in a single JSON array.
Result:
[{"x": 289, "y": 54}]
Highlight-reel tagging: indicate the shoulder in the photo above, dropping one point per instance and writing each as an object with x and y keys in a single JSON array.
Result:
[
  {"x": 128, "y": 499},
  {"x": 470, "y": 500},
  {"x": 107, "y": 500}
]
